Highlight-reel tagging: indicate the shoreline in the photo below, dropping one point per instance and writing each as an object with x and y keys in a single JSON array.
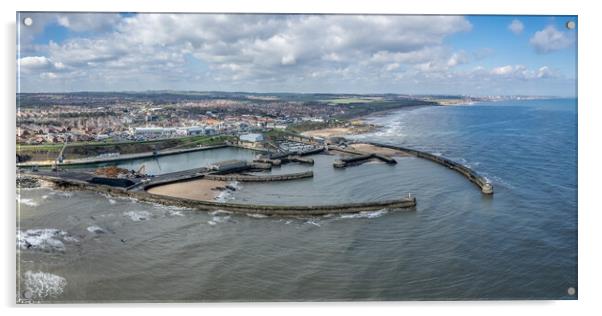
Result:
[
  {"x": 348, "y": 131},
  {"x": 202, "y": 193}
]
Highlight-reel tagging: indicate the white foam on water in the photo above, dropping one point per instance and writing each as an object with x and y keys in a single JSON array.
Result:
[
  {"x": 45, "y": 196},
  {"x": 42, "y": 285},
  {"x": 288, "y": 222},
  {"x": 219, "y": 219},
  {"x": 218, "y": 212},
  {"x": 174, "y": 213},
  {"x": 70, "y": 239},
  {"x": 111, "y": 201},
  {"x": 498, "y": 180},
  {"x": 96, "y": 229},
  {"x": 312, "y": 223},
  {"x": 137, "y": 216},
  {"x": 235, "y": 184},
  {"x": 67, "y": 195},
  {"x": 171, "y": 211},
  {"x": 212, "y": 223},
  {"x": 223, "y": 196},
  {"x": 46, "y": 239},
  {"x": 134, "y": 200},
  {"x": 366, "y": 214},
  {"x": 256, "y": 215},
  {"x": 28, "y": 202},
  {"x": 227, "y": 194}
]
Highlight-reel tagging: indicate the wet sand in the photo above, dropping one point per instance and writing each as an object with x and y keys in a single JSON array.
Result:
[
  {"x": 367, "y": 148},
  {"x": 196, "y": 189}
]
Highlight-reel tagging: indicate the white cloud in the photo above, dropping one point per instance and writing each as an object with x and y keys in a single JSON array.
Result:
[
  {"x": 503, "y": 70},
  {"x": 550, "y": 39},
  {"x": 546, "y": 72},
  {"x": 262, "y": 53},
  {"x": 523, "y": 73},
  {"x": 516, "y": 26},
  {"x": 48, "y": 75},
  {"x": 83, "y": 22},
  {"x": 33, "y": 62},
  {"x": 254, "y": 46},
  {"x": 457, "y": 59},
  {"x": 38, "y": 64},
  {"x": 391, "y": 67}
]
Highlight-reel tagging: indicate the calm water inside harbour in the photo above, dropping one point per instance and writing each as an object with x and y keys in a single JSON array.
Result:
[{"x": 520, "y": 243}]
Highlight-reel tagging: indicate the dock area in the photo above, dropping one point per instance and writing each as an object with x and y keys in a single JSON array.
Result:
[
  {"x": 116, "y": 159},
  {"x": 137, "y": 185}
]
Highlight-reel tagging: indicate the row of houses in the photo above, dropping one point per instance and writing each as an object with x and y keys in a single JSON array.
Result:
[{"x": 155, "y": 132}]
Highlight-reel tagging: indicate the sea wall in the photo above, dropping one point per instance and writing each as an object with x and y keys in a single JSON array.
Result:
[
  {"x": 257, "y": 178},
  {"x": 485, "y": 186},
  {"x": 408, "y": 203}
]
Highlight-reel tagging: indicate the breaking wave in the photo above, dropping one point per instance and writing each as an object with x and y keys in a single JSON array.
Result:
[
  {"x": 256, "y": 215},
  {"x": 137, "y": 216},
  {"x": 227, "y": 194},
  {"x": 366, "y": 214},
  {"x": 46, "y": 239},
  {"x": 96, "y": 229},
  {"x": 312, "y": 222},
  {"x": 28, "y": 202},
  {"x": 218, "y": 219},
  {"x": 40, "y": 285},
  {"x": 218, "y": 212}
]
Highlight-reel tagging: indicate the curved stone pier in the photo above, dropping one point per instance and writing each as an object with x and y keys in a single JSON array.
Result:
[
  {"x": 485, "y": 186},
  {"x": 407, "y": 203}
]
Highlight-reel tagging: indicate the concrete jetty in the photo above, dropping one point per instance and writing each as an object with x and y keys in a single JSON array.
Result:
[
  {"x": 361, "y": 158},
  {"x": 300, "y": 159},
  {"x": 273, "y": 162},
  {"x": 259, "y": 178},
  {"x": 294, "y": 156}
]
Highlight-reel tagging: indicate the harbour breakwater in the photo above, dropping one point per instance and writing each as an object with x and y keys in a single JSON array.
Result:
[
  {"x": 223, "y": 171},
  {"x": 485, "y": 186},
  {"x": 361, "y": 158},
  {"x": 256, "y": 178},
  {"x": 407, "y": 203}
]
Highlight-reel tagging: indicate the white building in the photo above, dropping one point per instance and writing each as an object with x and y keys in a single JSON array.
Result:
[
  {"x": 253, "y": 138},
  {"x": 102, "y": 137},
  {"x": 150, "y": 131}
]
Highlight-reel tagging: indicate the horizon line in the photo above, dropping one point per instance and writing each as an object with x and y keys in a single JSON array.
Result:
[{"x": 289, "y": 92}]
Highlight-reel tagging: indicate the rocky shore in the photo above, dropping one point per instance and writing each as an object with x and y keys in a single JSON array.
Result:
[{"x": 25, "y": 182}]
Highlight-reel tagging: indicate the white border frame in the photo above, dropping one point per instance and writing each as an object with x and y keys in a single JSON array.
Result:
[{"x": 589, "y": 128}]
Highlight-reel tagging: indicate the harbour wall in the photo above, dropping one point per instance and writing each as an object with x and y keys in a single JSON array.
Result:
[
  {"x": 120, "y": 158},
  {"x": 485, "y": 186},
  {"x": 407, "y": 204},
  {"x": 255, "y": 178}
]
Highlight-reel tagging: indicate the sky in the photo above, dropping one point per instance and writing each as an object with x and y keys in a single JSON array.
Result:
[{"x": 458, "y": 55}]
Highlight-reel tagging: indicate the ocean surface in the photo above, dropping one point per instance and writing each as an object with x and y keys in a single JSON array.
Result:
[{"x": 520, "y": 243}]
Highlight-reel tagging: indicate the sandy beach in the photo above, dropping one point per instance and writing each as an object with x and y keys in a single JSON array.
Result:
[
  {"x": 329, "y": 132},
  {"x": 196, "y": 189}
]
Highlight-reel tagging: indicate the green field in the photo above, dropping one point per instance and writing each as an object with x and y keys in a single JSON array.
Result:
[{"x": 353, "y": 100}]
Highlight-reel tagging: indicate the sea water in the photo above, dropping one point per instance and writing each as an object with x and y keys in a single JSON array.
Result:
[{"x": 520, "y": 243}]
